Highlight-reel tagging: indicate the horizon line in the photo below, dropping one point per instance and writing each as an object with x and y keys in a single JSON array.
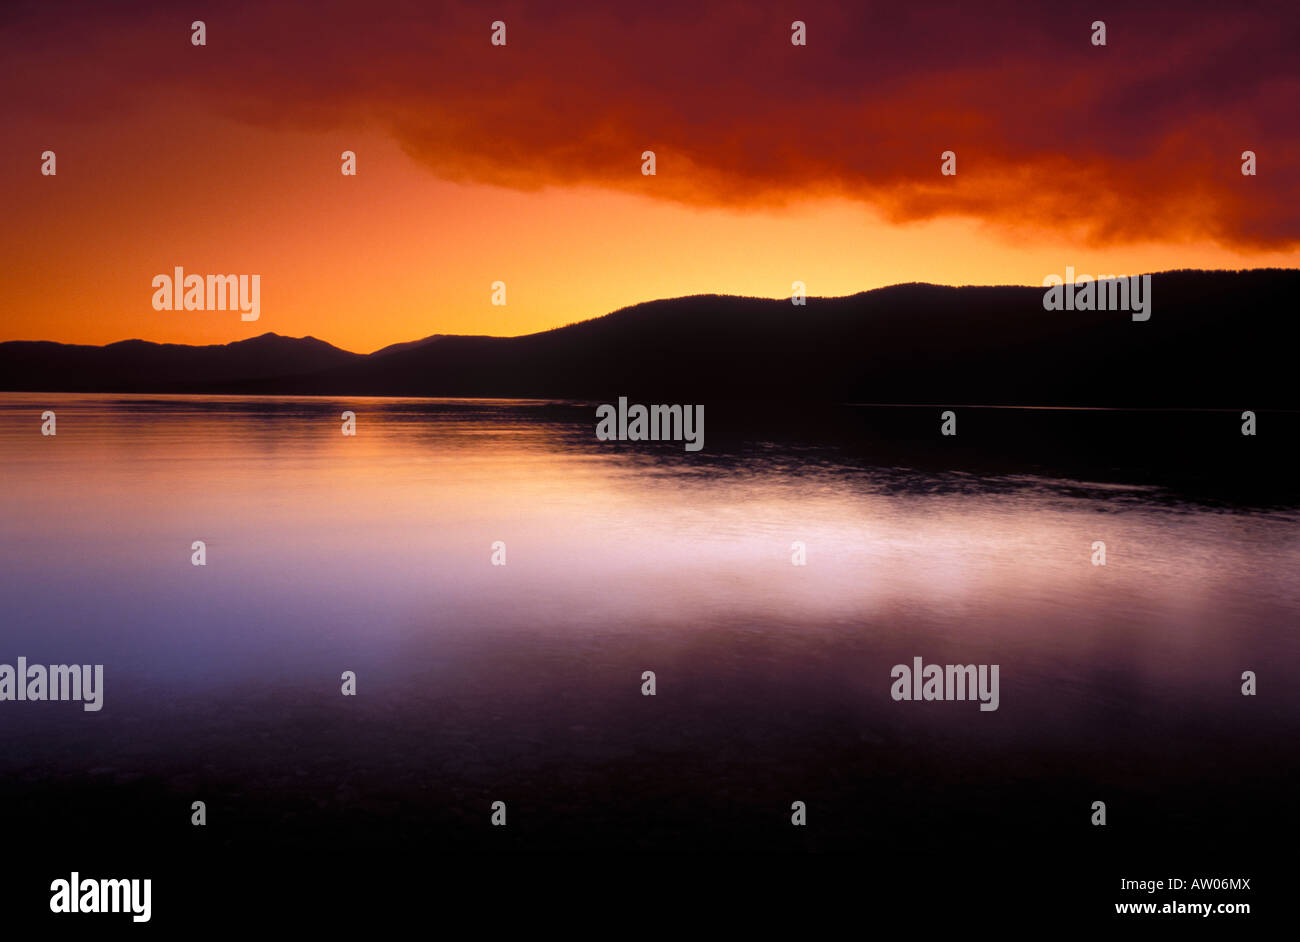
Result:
[{"x": 628, "y": 307}]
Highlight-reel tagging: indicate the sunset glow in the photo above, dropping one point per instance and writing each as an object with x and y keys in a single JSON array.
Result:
[{"x": 816, "y": 164}]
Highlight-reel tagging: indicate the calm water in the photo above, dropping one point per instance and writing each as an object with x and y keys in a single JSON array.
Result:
[{"x": 327, "y": 553}]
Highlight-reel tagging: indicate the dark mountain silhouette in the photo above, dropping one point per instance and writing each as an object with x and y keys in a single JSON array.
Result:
[
  {"x": 141, "y": 366},
  {"x": 408, "y": 345},
  {"x": 1214, "y": 339}
]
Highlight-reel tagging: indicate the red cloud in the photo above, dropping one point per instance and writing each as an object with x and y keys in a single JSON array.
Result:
[{"x": 1139, "y": 139}]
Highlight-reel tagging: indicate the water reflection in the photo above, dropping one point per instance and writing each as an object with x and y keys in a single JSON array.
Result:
[{"x": 372, "y": 554}]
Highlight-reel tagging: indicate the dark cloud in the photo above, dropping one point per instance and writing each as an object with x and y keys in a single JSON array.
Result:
[{"x": 1138, "y": 140}]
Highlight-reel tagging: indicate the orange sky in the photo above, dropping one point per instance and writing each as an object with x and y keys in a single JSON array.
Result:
[{"x": 230, "y": 171}]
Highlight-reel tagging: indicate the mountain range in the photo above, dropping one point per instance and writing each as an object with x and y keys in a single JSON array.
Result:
[{"x": 1214, "y": 339}]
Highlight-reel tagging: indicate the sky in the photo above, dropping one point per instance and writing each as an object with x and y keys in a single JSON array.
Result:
[{"x": 522, "y": 163}]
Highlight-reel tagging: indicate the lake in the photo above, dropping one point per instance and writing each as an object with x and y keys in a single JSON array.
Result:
[{"x": 523, "y": 682}]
